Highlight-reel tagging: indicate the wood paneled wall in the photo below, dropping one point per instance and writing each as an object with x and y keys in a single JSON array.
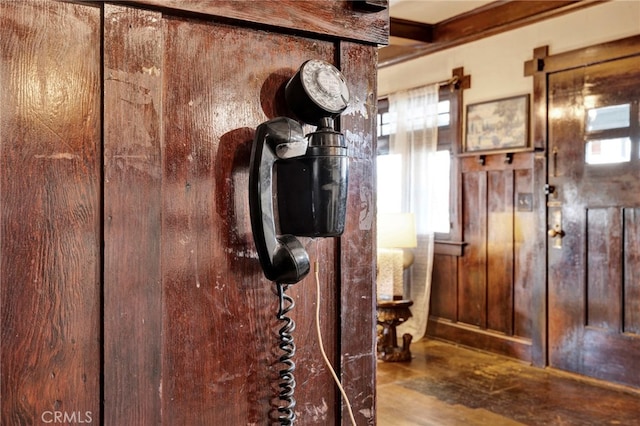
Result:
[
  {"x": 130, "y": 290},
  {"x": 496, "y": 293},
  {"x": 483, "y": 298}
]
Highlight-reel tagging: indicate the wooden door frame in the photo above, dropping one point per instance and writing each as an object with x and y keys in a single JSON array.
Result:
[{"x": 540, "y": 67}]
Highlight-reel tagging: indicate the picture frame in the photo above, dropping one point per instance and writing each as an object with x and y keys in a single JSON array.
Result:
[{"x": 498, "y": 125}]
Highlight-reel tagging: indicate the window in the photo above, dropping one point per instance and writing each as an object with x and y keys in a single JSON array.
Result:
[
  {"x": 389, "y": 180},
  {"x": 609, "y": 117},
  {"x": 389, "y": 165},
  {"x": 608, "y": 134},
  {"x": 608, "y": 151}
]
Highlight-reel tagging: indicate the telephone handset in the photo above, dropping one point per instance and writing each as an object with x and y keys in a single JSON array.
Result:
[{"x": 311, "y": 173}]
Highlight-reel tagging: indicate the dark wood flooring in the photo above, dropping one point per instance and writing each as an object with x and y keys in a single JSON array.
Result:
[{"x": 445, "y": 384}]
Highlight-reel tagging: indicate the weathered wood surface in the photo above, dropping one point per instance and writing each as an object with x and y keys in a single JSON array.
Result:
[
  {"x": 488, "y": 289},
  {"x": 593, "y": 296},
  {"x": 319, "y": 18},
  {"x": 50, "y": 158},
  {"x": 447, "y": 384},
  {"x": 133, "y": 64},
  {"x": 129, "y": 271},
  {"x": 357, "y": 247}
]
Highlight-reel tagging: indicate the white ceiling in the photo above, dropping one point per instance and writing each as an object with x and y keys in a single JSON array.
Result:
[
  {"x": 428, "y": 12},
  {"x": 431, "y": 11}
]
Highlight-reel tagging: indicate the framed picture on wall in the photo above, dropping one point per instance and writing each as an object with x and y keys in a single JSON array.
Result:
[{"x": 502, "y": 124}]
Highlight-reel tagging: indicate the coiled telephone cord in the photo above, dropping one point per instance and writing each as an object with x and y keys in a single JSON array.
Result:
[{"x": 286, "y": 401}]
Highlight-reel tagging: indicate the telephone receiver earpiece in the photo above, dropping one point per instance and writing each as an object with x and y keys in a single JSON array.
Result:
[{"x": 282, "y": 257}]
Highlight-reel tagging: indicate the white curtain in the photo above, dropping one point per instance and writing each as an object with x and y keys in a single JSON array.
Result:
[{"x": 416, "y": 139}]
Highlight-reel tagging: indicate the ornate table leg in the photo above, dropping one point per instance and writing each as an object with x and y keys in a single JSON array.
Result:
[{"x": 391, "y": 314}]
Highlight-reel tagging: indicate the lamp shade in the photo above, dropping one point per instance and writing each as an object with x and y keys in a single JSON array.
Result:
[{"x": 397, "y": 230}]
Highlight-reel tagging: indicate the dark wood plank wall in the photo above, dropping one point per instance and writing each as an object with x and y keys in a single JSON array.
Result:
[
  {"x": 173, "y": 322},
  {"x": 483, "y": 298}
]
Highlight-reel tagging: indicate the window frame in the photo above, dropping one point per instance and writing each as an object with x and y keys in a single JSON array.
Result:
[{"x": 449, "y": 138}]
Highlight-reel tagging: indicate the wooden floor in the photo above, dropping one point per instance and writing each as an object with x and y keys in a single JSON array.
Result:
[{"x": 448, "y": 385}]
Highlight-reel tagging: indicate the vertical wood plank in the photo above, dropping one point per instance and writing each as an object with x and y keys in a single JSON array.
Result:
[
  {"x": 473, "y": 270},
  {"x": 50, "y": 212},
  {"x": 500, "y": 251},
  {"x": 493, "y": 271},
  {"x": 539, "y": 135},
  {"x": 566, "y": 281},
  {"x": 357, "y": 255},
  {"x": 132, "y": 211},
  {"x": 524, "y": 255},
  {"x": 631, "y": 270},
  {"x": 216, "y": 312},
  {"x": 604, "y": 282},
  {"x": 443, "y": 291}
]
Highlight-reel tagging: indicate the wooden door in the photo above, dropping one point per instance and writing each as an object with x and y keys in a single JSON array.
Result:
[{"x": 594, "y": 221}]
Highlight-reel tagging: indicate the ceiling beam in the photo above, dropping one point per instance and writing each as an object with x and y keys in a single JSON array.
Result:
[
  {"x": 494, "y": 18},
  {"x": 411, "y": 30},
  {"x": 501, "y": 16}
]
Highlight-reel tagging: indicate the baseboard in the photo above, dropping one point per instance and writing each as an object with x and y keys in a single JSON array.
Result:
[{"x": 477, "y": 338}]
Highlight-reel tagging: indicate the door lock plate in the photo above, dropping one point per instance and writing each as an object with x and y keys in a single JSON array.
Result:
[{"x": 556, "y": 231}]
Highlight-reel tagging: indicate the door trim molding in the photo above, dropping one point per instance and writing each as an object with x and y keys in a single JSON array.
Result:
[{"x": 591, "y": 55}]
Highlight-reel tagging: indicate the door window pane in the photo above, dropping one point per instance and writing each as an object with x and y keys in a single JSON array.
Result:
[
  {"x": 608, "y": 151},
  {"x": 609, "y": 117}
]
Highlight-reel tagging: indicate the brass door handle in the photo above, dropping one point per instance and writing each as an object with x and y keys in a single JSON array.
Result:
[{"x": 555, "y": 232}]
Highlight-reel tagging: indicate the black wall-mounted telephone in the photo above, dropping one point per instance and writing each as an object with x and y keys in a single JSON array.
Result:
[
  {"x": 310, "y": 171},
  {"x": 311, "y": 192}
]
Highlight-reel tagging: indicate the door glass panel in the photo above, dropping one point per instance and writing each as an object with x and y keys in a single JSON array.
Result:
[
  {"x": 608, "y": 151},
  {"x": 609, "y": 117}
]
